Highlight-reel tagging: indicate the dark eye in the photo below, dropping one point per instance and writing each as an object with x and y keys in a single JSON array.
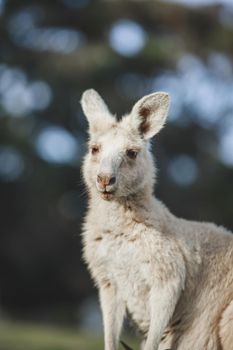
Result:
[
  {"x": 131, "y": 153},
  {"x": 94, "y": 149}
]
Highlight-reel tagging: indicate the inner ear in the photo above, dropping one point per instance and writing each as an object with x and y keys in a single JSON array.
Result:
[
  {"x": 145, "y": 124},
  {"x": 149, "y": 113}
]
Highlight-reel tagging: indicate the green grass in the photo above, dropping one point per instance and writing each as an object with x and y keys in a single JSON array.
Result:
[{"x": 15, "y": 336}]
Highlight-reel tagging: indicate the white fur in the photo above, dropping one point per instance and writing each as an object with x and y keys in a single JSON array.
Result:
[
  {"x": 95, "y": 110},
  {"x": 173, "y": 276},
  {"x": 158, "y": 106}
]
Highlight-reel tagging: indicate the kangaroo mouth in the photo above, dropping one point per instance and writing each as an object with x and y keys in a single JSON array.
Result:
[{"x": 107, "y": 195}]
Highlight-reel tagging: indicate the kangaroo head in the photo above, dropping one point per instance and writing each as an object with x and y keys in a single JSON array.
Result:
[{"x": 119, "y": 162}]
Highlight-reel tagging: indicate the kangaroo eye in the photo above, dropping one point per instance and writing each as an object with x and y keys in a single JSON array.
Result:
[
  {"x": 131, "y": 153},
  {"x": 94, "y": 149}
]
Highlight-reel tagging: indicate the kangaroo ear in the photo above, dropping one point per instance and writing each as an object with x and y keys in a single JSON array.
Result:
[
  {"x": 149, "y": 113},
  {"x": 96, "y": 111}
]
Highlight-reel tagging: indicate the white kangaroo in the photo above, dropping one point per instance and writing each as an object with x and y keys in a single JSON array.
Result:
[{"x": 173, "y": 277}]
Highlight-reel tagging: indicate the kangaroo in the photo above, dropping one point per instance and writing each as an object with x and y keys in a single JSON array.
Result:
[{"x": 172, "y": 276}]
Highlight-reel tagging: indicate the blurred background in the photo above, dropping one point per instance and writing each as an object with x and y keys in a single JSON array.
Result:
[{"x": 50, "y": 52}]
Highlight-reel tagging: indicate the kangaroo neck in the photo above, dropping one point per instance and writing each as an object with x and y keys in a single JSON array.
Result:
[{"x": 140, "y": 207}]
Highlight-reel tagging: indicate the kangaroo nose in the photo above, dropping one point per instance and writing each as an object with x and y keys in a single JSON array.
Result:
[{"x": 106, "y": 180}]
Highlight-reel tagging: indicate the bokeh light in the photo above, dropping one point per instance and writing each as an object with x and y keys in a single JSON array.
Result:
[
  {"x": 22, "y": 27},
  {"x": 183, "y": 170},
  {"x": 226, "y": 146},
  {"x": 51, "y": 39},
  {"x": 132, "y": 85},
  {"x": 12, "y": 164},
  {"x": 57, "y": 145},
  {"x": 206, "y": 89},
  {"x": 41, "y": 95},
  {"x": 127, "y": 37},
  {"x": 19, "y": 97}
]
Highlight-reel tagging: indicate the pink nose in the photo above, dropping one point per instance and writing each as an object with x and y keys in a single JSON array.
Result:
[{"x": 106, "y": 180}]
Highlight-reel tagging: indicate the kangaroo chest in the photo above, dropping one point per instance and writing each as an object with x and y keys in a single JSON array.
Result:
[{"x": 124, "y": 261}]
